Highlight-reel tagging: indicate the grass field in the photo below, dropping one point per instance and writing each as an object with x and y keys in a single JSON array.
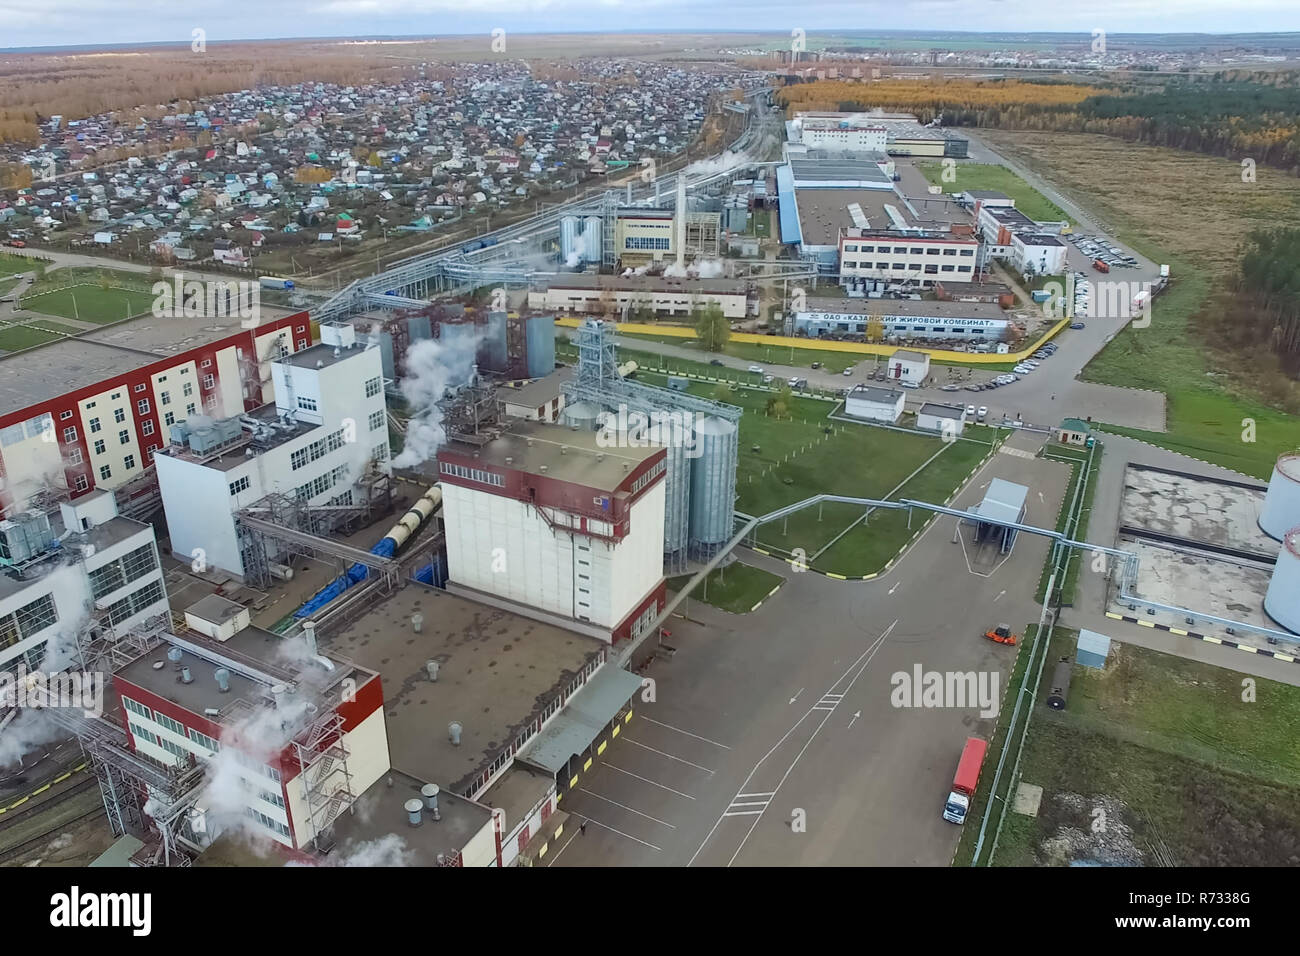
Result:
[
  {"x": 15, "y": 337},
  {"x": 90, "y": 303},
  {"x": 735, "y": 588},
  {"x": 1168, "y": 756},
  {"x": 986, "y": 176},
  {"x": 1142, "y": 194},
  {"x": 782, "y": 461}
]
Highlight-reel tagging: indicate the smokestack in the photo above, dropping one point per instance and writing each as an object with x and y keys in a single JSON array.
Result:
[
  {"x": 679, "y": 221},
  {"x": 309, "y": 633}
]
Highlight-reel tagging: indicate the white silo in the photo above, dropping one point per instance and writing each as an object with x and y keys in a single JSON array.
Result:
[
  {"x": 713, "y": 485},
  {"x": 1281, "y": 510},
  {"x": 1282, "y": 601},
  {"x": 585, "y": 415},
  {"x": 592, "y": 245},
  {"x": 570, "y": 242}
]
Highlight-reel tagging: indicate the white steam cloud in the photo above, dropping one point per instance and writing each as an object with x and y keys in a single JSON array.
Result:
[{"x": 432, "y": 368}]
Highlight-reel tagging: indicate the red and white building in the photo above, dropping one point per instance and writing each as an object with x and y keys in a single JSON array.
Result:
[
  {"x": 555, "y": 525},
  {"x": 924, "y": 260},
  {"x": 89, "y": 412}
]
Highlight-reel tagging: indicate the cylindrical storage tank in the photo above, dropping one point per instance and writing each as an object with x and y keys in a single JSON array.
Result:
[
  {"x": 586, "y": 415},
  {"x": 677, "y": 486},
  {"x": 591, "y": 238},
  {"x": 1282, "y": 600},
  {"x": 492, "y": 351},
  {"x": 713, "y": 484},
  {"x": 1281, "y": 511},
  {"x": 539, "y": 337},
  {"x": 1060, "y": 690},
  {"x": 570, "y": 229}
]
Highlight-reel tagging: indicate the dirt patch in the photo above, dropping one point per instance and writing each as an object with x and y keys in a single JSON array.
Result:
[{"x": 1089, "y": 831}]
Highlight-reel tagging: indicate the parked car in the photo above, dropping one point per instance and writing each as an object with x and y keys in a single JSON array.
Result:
[
  {"x": 769, "y": 379},
  {"x": 816, "y": 364},
  {"x": 756, "y": 369},
  {"x": 972, "y": 388},
  {"x": 981, "y": 413},
  {"x": 715, "y": 361},
  {"x": 1076, "y": 325},
  {"x": 950, "y": 388},
  {"x": 970, "y": 411},
  {"x": 909, "y": 385},
  {"x": 848, "y": 371}
]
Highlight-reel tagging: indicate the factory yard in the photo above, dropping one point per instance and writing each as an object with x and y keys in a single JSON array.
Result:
[
  {"x": 716, "y": 770},
  {"x": 1159, "y": 761}
]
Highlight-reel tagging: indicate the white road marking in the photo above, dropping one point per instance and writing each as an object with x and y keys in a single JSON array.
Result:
[
  {"x": 863, "y": 659},
  {"x": 686, "y": 732},
  {"x": 1000, "y": 593},
  {"x": 647, "y": 780},
  {"x": 669, "y": 756},
  {"x": 796, "y": 696},
  {"x": 856, "y": 715},
  {"x": 624, "y": 806},
  {"x": 894, "y": 588},
  {"x": 629, "y": 836},
  {"x": 555, "y": 858}
]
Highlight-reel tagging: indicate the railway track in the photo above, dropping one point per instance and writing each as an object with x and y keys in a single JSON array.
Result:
[{"x": 13, "y": 819}]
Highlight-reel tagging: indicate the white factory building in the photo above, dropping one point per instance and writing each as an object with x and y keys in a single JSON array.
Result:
[
  {"x": 552, "y": 523},
  {"x": 908, "y": 366},
  {"x": 948, "y": 420},
  {"x": 847, "y": 131},
  {"x": 921, "y": 259},
  {"x": 874, "y": 403},
  {"x": 1037, "y": 254},
  {"x": 623, "y": 296},
  {"x": 327, "y": 428},
  {"x": 100, "y": 570}
]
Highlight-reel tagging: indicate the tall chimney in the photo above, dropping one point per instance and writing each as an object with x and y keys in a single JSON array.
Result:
[{"x": 679, "y": 221}]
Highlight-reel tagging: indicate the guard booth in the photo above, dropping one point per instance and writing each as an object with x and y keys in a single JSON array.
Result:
[{"x": 1003, "y": 503}]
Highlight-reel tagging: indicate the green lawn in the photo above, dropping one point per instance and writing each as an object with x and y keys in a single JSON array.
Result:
[
  {"x": 735, "y": 588},
  {"x": 986, "y": 176},
  {"x": 765, "y": 354},
  {"x": 91, "y": 303},
  {"x": 1170, "y": 746},
  {"x": 15, "y": 337}
]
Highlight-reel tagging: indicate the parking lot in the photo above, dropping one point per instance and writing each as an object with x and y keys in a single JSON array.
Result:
[{"x": 773, "y": 738}]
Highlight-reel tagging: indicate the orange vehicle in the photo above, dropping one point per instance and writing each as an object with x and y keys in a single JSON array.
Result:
[
  {"x": 1100, "y": 265},
  {"x": 1002, "y": 634}
]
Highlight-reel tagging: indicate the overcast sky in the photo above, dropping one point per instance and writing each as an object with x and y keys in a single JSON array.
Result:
[{"x": 26, "y": 23}]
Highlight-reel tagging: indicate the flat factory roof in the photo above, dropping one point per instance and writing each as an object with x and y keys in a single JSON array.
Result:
[
  {"x": 498, "y": 673},
  {"x": 873, "y": 393},
  {"x": 1003, "y": 501},
  {"x": 567, "y": 454},
  {"x": 38, "y": 374},
  {"x": 941, "y": 411},
  {"x": 1195, "y": 509},
  {"x": 1182, "y": 577},
  {"x": 824, "y": 212},
  {"x": 539, "y": 391},
  {"x": 587, "y": 282}
]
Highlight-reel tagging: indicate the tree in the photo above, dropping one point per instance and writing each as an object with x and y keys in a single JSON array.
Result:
[
  {"x": 875, "y": 329},
  {"x": 778, "y": 406},
  {"x": 711, "y": 327}
]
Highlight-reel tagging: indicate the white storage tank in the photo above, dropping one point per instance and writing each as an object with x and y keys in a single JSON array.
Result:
[
  {"x": 1281, "y": 510},
  {"x": 713, "y": 485},
  {"x": 585, "y": 415},
  {"x": 1282, "y": 601}
]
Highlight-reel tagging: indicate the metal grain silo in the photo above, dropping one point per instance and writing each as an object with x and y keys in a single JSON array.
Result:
[
  {"x": 1282, "y": 600},
  {"x": 713, "y": 484},
  {"x": 492, "y": 351},
  {"x": 672, "y": 429},
  {"x": 539, "y": 342},
  {"x": 570, "y": 230},
  {"x": 585, "y": 415},
  {"x": 592, "y": 229},
  {"x": 1281, "y": 511}
]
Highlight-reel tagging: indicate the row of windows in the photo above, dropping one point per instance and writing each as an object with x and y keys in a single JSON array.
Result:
[
  {"x": 267, "y": 822},
  {"x": 238, "y": 485},
  {"x": 473, "y": 474},
  {"x": 130, "y": 567},
  {"x": 322, "y": 483},
  {"x": 648, "y": 477},
  {"x": 251, "y": 764},
  {"x": 376, "y": 420},
  {"x": 28, "y": 620},
  {"x": 913, "y": 250},
  {"x": 136, "y": 602},
  {"x": 646, "y": 242},
  {"x": 316, "y": 450},
  {"x": 307, "y": 404},
  {"x": 203, "y": 740},
  {"x": 137, "y": 708},
  {"x": 175, "y": 726},
  {"x": 905, "y": 267},
  {"x": 373, "y": 387}
]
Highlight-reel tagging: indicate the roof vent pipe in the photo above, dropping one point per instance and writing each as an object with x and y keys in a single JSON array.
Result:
[
  {"x": 453, "y": 733},
  {"x": 430, "y": 793},
  {"x": 417, "y": 622},
  {"x": 309, "y": 633},
  {"x": 186, "y": 676},
  {"x": 223, "y": 679},
  {"x": 174, "y": 655},
  {"x": 431, "y": 667},
  {"x": 414, "y": 811}
]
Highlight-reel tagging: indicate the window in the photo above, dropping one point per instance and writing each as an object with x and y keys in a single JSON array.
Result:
[
  {"x": 307, "y": 404},
  {"x": 141, "y": 734},
  {"x": 950, "y": 252},
  {"x": 947, "y": 268},
  {"x": 300, "y": 328},
  {"x": 138, "y": 388},
  {"x": 142, "y": 406},
  {"x": 376, "y": 420},
  {"x": 210, "y": 403},
  {"x": 165, "y": 398},
  {"x": 298, "y": 459},
  {"x": 94, "y": 425},
  {"x": 209, "y": 380},
  {"x": 931, "y": 268},
  {"x": 82, "y": 484},
  {"x": 28, "y": 620},
  {"x": 128, "y": 462},
  {"x": 137, "y": 708},
  {"x": 963, "y": 268},
  {"x": 882, "y": 265},
  {"x": 185, "y": 371},
  {"x": 918, "y": 250},
  {"x": 147, "y": 427},
  {"x": 105, "y": 472},
  {"x": 115, "y": 396},
  {"x": 89, "y": 405},
  {"x": 124, "y": 437},
  {"x": 302, "y": 343},
  {"x": 74, "y": 457},
  {"x": 136, "y": 602},
  {"x": 900, "y": 267},
  {"x": 203, "y": 740},
  {"x": 851, "y": 248},
  {"x": 850, "y": 265},
  {"x": 380, "y": 452},
  {"x": 932, "y": 251},
  {"x": 64, "y": 416},
  {"x": 914, "y": 267},
  {"x": 190, "y": 409},
  {"x": 169, "y": 419},
  {"x": 206, "y": 363},
  {"x": 372, "y": 387},
  {"x": 99, "y": 446},
  {"x": 70, "y": 434},
  {"x": 473, "y": 474},
  {"x": 119, "y": 415},
  {"x": 900, "y": 250},
  {"x": 968, "y": 252},
  {"x": 188, "y": 389},
  {"x": 175, "y": 726},
  {"x": 239, "y": 485},
  {"x": 648, "y": 477}
]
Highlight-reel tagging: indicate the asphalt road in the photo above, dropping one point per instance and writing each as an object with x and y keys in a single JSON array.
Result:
[{"x": 789, "y": 709}]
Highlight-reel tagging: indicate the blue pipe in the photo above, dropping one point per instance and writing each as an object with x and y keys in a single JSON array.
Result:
[{"x": 386, "y": 548}]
